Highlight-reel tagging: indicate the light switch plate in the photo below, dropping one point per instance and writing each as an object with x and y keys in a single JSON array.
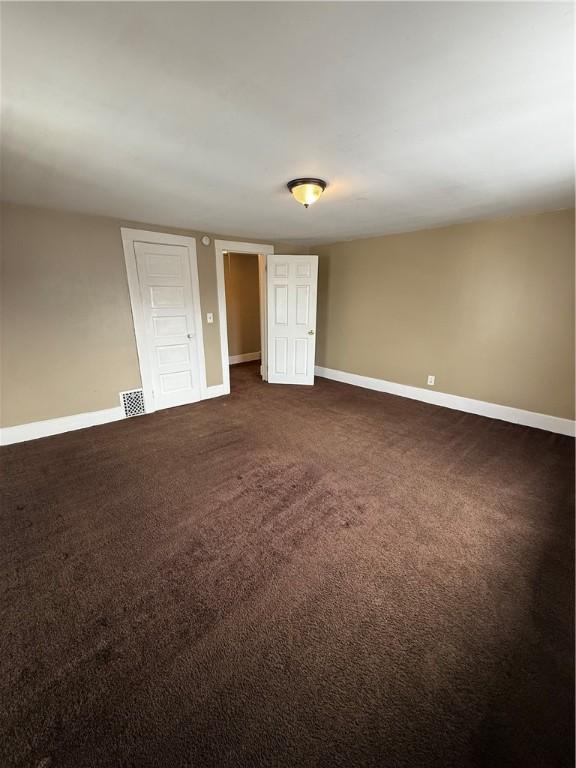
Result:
[{"x": 209, "y": 317}]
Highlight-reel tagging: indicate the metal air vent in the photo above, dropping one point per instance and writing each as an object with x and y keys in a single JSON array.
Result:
[{"x": 132, "y": 402}]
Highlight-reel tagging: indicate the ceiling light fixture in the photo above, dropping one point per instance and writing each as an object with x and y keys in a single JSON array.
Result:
[{"x": 306, "y": 191}]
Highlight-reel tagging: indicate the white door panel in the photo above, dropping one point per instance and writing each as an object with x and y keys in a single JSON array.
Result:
[
  {"x": 169, "y": 307},
  {"x": 291, "y": 289}
]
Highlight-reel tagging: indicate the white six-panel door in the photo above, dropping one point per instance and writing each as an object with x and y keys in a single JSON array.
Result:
[
  {"x": 170, "y": 324},
  {"x": 291, "y": 288}
]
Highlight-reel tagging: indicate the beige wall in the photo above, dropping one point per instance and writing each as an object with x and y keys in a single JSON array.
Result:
[
  {"x": 68, "y": 342},
  {"x": 242, "y": 302},
  {"x": 488, "y": 308}
]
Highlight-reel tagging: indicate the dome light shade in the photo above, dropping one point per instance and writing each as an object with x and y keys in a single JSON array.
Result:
[{"x": 306, "y": 191}]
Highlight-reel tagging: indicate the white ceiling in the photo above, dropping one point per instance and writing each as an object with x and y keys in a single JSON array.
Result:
[{"x": 197, "y": 114}]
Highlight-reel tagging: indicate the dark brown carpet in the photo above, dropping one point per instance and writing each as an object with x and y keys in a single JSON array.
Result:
[{"x": 289, "y": 576}]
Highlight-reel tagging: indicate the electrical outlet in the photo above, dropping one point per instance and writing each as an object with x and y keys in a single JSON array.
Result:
[
  {"x": 431, "y": 380},
  {"x": 209, "y": 317}
]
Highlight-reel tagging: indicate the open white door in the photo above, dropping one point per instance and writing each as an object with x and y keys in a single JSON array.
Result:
[{"x": 291, "y": 318}]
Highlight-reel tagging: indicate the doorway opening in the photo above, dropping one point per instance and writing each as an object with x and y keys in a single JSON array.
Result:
[
  {"x": 287, "y": 292},
  {"x": 241, "y": 265},
  {"x": 242, "y": 287}
]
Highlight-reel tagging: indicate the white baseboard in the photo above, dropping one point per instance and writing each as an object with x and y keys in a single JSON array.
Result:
[
  {"x": 217, "y": 390},
  {"x": 457, "y": 403},
  {"x": 23, "y": 432},
  {"x": 246, "y": 358},
  {"x": 31, "y": 431}
]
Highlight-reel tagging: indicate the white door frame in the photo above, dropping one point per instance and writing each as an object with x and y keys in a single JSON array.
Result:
[
  {"x": 262, "y": 250},
  {"x": 129, "y": 237}
]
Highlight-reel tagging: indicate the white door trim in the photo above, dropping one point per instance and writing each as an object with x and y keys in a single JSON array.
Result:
[
  {"x": 129, "y": 237},
  {"x": 263, "y": 296},
  {"x": 262, "y": 250}
]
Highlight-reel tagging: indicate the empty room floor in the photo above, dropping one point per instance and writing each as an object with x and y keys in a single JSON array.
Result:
[{"x": 289, "y": 576}]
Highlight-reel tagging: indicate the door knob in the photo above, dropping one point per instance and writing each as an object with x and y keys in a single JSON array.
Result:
[
  {"x": 189, "y": 335},
  {"x": 310, "y": 333}
]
